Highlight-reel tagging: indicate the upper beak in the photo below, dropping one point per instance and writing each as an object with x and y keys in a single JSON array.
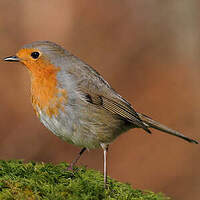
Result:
[{"x": 12, "y": 59}]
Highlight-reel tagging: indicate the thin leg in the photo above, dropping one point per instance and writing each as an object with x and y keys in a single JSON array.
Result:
[
  {"x": 105, "y": 150},
  {"x": 76, "y": 159}
]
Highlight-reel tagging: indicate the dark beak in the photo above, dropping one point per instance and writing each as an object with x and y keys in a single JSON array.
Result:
[{"x": 12, "y": 59}]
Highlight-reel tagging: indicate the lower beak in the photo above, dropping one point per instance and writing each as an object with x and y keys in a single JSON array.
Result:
[{"x": 12, "y": 59}]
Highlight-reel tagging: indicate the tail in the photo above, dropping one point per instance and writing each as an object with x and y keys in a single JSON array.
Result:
[{"x": 153, "y": 124}]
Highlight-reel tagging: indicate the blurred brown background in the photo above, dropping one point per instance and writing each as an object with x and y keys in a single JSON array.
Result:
[{"x": 148, "y": 51}]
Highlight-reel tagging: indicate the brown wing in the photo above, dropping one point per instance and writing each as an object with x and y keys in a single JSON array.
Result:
[{"x": 116, "y": 106}]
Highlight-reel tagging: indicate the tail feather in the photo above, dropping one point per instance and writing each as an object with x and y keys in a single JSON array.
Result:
[{"x": 153, "y": 124}]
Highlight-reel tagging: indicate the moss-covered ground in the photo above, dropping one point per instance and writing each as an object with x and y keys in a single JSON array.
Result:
[{"x": 19, "y": 180}]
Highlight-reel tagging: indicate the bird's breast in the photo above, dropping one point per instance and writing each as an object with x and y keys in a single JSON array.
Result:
[{"x": 46, "y": 96}]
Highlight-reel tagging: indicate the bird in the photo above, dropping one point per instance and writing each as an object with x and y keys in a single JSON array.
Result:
[{"x": 76, "y": 103}]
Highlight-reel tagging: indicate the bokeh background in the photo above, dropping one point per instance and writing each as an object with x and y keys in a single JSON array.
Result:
[{"x": 148, "y": 51}]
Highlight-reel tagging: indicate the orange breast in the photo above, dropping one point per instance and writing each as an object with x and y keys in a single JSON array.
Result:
[
  {"x": 46, "y": 96},
  {"x": 45, "y": 93}
]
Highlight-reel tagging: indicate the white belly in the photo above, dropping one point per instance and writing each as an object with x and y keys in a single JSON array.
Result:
[{"x": 71, "y": 129}]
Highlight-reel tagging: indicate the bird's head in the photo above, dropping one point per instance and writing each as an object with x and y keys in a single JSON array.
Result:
[{"x": 40, "y": 57}]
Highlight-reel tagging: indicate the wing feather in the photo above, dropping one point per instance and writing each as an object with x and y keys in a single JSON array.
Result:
[{"x": 118, "y": 107}]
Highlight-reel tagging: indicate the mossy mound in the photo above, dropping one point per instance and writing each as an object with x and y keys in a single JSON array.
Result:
[{"x": 35, "y": 181}]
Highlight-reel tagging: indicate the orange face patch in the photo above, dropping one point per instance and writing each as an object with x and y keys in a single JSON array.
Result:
[{"x": 45, "y": 93}]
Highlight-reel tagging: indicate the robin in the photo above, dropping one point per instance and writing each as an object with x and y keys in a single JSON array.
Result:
[{"x": 74, "y": 101}]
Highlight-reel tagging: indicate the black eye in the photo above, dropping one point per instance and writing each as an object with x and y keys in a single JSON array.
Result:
[{"x": 35, "y": 55}]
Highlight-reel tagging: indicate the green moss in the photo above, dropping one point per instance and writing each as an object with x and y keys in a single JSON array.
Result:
[{"x": 19, "y": 180}]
